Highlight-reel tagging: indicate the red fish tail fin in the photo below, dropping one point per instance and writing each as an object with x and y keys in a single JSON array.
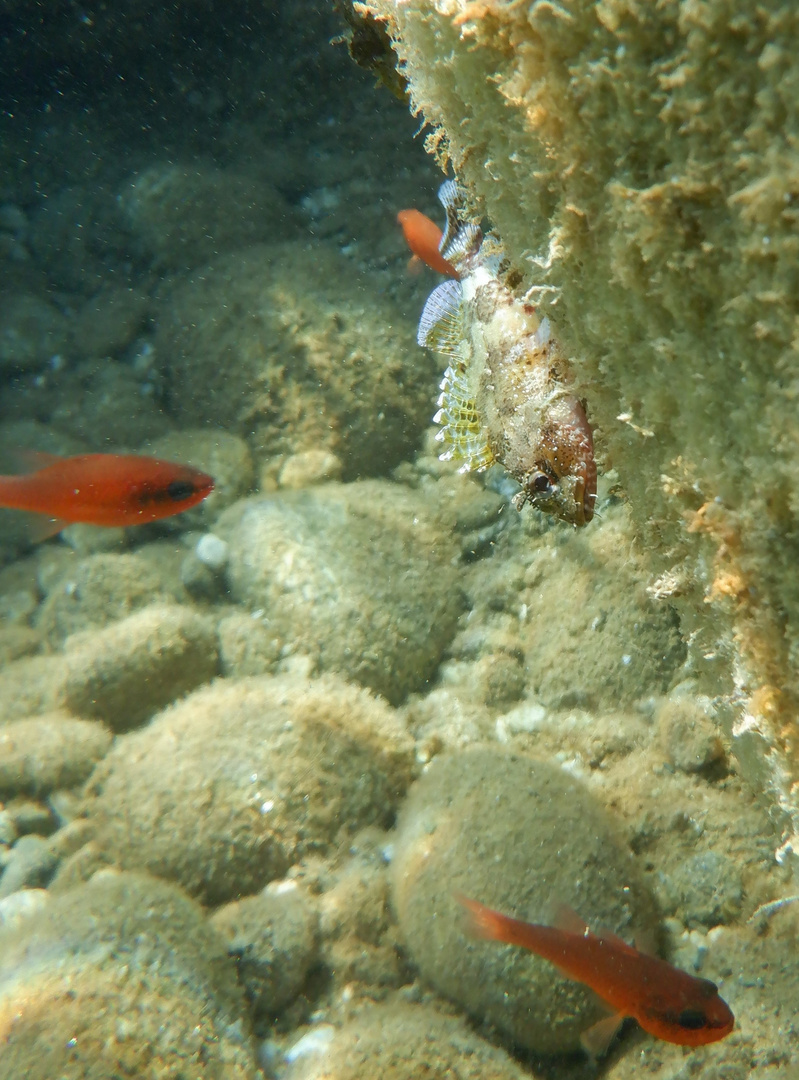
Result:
[{"x": 486, "y": 923}]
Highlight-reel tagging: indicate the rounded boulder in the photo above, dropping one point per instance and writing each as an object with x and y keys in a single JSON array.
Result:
[
  {"x": 225, "y": 789},
  {"x": 523, "y": 837},
  {"x": 360, "y": 577},
  {"x": 122, "y": 976}
]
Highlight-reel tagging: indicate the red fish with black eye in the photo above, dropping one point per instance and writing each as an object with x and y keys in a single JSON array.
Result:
[
  {"x": 423, "y": 237},
  {"x": 103, "y": 489},
  {"x": 666, "y": 1001}
]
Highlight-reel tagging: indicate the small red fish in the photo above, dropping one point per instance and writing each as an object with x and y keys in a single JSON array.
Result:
[
  {"x": 423, "y": 237},
  {"x": 104, "y": 489},
  {"x": 666, "y": 1002}
]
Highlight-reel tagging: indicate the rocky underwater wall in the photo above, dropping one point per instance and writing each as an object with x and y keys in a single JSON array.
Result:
[{"x": 640, "y": 164}]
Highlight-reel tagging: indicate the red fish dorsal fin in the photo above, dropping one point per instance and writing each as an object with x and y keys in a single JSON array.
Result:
[
  {"x": 616, "y": 941},
  {"x": 567, "y": 919},
  {"x": 28, "y": 461}
]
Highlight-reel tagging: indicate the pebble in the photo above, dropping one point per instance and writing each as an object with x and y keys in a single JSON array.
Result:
[
  {"x": 8, "y": 828},
  {"x": 122, "y": 976},
  {"x": 478, "y": 511},
  {"x": 272, "y": 937},
  {"x": 309, "y": 467},
  {"x": 358, "y": 936},
  {"x": 17, "y": 906},
  {"x": 212, "y": 551},
  {"x": 41, "y": 754},
  {"x": 688, "y": 735},
  {"x": 297, "y": 375},
  {"x": 311, "y": 1044},
  {"x": 706, "y": 888},
  {"x": 30, "y": 816},
  {"x": 131, "y": 669},
  {"x": 31, "y": 685},
  {"x": 30, "y": 865},
  {"x": 99, "y": 590},
  {"x": 394, "y": 1040},
  {"x": 31, "y": 331},
  {"x": 200, "y": 581},
  {"x": 591, "y": 637}
]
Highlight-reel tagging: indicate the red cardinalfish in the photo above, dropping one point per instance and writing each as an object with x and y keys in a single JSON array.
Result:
[
  {"x": 103, "y": 489},
  {"x": 424, "y": 237},
  {"x": 666, "y": 1002}
]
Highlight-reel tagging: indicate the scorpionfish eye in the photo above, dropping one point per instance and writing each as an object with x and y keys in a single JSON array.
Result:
[{"x": 540, "y": 484}]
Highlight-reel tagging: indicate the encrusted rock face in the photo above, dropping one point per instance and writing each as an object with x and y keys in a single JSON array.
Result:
[{"x": 640, "y": 165}]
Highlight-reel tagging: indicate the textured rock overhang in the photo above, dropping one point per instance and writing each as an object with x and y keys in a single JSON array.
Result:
[{"x": 639, "y": 162}]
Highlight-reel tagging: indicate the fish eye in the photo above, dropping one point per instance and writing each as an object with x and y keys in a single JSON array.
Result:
[
  {"x": 540, "y": 483},
  {"x": 692, "y": 1019},
  {"x": 179, "y": 490}
]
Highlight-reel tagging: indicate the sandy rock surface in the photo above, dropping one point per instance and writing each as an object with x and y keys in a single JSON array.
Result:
[
  {"x": 98, "y": 590},
  {"x": 397, "y": 1041},
  {"x": 126, "y": 672},
  {"x": 358, "y": 576},
  {"x": 224, "y": 790},
  {"x": 32, "y": 685},
  {"x": 41, "y": 754},
  {"x": 264, "y": 342},
  {"x": 121, "y": 976}
]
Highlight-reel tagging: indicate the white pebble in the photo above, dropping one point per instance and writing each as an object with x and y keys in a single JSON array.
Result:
[
  {"x": 212, "y": 551},
  {"x": 18, "y": 905},
  {"x": 315, "y": 1041}
]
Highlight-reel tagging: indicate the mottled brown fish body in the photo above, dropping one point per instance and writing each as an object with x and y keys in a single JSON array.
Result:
[
  {"x": 506, "y": 396},
  {"x": 535, "y": 427}
]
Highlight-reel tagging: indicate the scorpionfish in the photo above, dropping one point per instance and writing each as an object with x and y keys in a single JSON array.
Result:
[{"x": 506, "y": 395}]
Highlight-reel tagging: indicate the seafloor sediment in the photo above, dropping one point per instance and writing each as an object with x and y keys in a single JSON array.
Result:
[{"x": 248, "y": 754}]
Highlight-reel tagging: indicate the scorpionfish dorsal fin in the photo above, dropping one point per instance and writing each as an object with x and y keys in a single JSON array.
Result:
[
  {"x": 461, "y": 238},
  {"x": 440, "y": 325},
  {"x": 461, "y": 430}
]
